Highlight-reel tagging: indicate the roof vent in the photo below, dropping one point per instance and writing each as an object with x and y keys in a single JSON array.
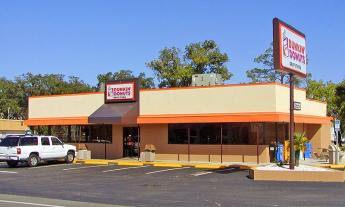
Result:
[{"x": 209, "y": 79}]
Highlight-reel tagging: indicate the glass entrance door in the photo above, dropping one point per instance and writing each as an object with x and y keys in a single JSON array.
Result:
[{"x": 130, "y": 142}]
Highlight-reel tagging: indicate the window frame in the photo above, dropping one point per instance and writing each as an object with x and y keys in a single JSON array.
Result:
[
  {"x": 24, "y": 138},
  {"x": 51, "y": 139},
  {"x": 49, "y": 142}
]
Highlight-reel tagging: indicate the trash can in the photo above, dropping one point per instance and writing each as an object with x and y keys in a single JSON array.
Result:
[
  {"x": 280, "y": 153},
  {"x": 84, "y": 155},
  {"x": 333, "y": 154},
  {"x": 149, "y": 153},
  {"x": 308, "y": 151}
]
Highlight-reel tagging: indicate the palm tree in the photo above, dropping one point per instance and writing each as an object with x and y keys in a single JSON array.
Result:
[{"x": 299, "y": 144}]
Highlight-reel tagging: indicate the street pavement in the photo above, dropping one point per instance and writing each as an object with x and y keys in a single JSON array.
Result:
[
  {"x": 27, "y": 201},
  {"x": 161, "y": 186}
]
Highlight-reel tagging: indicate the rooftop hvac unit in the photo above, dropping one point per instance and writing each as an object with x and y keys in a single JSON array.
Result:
[{"x": 210, "y": 79}]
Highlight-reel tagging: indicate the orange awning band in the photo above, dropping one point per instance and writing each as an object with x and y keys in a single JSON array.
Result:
[
  {"x": 191, "y": 118},
  {"x": 234, "y": 117},
  {"x": 57, "y": 121}
]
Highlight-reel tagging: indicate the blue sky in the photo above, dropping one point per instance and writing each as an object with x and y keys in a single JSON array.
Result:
[{"x": 85, "y": 38}]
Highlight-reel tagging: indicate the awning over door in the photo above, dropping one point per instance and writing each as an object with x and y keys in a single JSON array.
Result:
[{"x": 115, "y": 113}]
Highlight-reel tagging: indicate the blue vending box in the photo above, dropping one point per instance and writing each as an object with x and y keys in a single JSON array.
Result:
[
  {"x": 279, "y": 153},
  {"x": 308, "y": 151}
]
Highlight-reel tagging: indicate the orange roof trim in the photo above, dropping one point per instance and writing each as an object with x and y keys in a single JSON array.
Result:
[
  {"x": 190, "y": 118},
  {"x": 235, "y": 117},
  {"x": 57, "y": 121}
]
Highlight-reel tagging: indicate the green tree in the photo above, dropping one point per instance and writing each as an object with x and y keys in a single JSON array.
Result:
[
  {"x": 323, "y": 91},
  {"x": 7, "y": 100},
  {"x": 14, "y": 94},
  {"x": 170, "y": 70},
  {"x": 206, "y": 57},
  {"x": 145, "y": 82},
  {"x": 340, "y": 103},
  {"x": 174, "y": 69},
  {"x": 266, "y": 71}
]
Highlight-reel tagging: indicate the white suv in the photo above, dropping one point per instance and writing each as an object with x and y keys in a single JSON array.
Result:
[{"x": 33, "y": 149}]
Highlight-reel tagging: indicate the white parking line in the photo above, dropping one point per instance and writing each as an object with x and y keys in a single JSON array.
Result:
[
  {"x": 29, "y": 204},
  {"x": 9, "y": 172},
  {"x": 127, "y": 168},
  {"x": 158, "y": 171},
  {"x": 209, "y": 172},
  {"x": 47, "y": 166},
  {"x": 77, "y": 168},
  {"x": 201, "y": 173}
]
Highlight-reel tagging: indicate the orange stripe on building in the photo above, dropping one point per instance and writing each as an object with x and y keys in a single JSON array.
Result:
[
  {"x": 57, "y": 121},
  {"x": 234, "y": 117},
  {"x": 191, "y": 118}
]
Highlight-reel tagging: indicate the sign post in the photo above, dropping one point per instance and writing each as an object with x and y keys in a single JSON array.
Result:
[
  {"x": 337, "y": 125},
  {"x": 290, "y": 56},
  {"x": 292, "y": 123},
  {"x": 337, "y": 131}
]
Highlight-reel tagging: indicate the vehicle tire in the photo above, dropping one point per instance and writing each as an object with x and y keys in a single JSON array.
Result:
[
  {"x": 33, "y": 160},
  {"x": 12, "y": 163},
  {"x": 69, "y": 157}
]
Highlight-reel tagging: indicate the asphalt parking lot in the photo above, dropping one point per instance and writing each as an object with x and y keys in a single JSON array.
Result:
[{"x": 162, "y": 186}]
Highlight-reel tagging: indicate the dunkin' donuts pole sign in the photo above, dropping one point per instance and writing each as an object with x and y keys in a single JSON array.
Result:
[
  {"x": 120, "y": 92},
  {"x": 290, "y": 53}
]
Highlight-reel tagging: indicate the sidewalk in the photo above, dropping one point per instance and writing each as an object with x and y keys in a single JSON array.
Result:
[{"x": 322, "y": 163}]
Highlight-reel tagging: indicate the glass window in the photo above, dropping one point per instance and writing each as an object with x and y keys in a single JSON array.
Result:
[
  {"x": 100, "y": 133},
  {"x": 209, "y": 133},
  {"x": 28, "y": 141},
  {"x": 56, "y": 141},
  {"x": 45, "y": 141},
  {"x": 9, "y": 142},
  {"x": 199, "y": 133},
  {"x": 178, "y": 134},
  {"x": 60, "y": 131},
  {"x": 84, "y": 133},
  {"x": 232, "y": 133}
]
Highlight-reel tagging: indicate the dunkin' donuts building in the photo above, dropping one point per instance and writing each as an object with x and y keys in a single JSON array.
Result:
[{"x": 228, "y": 123}]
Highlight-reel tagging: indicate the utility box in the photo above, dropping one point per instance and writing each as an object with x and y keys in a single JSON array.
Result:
[{"x": 210, "y": 79}]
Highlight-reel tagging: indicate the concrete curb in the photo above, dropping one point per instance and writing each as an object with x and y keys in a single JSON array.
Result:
[
  {"x": 206, "y": 166},
  {"x": 130, "y": 164},
  {"x": 339, "y": 166},
  {"x": 167, "y": 165},
  {"x": 97, "y": 162},
  {"x": 163, "y": 164},
  {"x": 300, "y": 176}
]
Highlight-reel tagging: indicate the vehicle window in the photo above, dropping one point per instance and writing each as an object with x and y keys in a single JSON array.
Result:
[
  {"x": 56, "y": 141},
  {"x": 28, "y": 141},
  {"x": 45, "y": 141},
  {"x": 9, "y": 142}
]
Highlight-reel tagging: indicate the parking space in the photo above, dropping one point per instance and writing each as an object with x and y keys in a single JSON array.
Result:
[{"x": 112, "y": 171}]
